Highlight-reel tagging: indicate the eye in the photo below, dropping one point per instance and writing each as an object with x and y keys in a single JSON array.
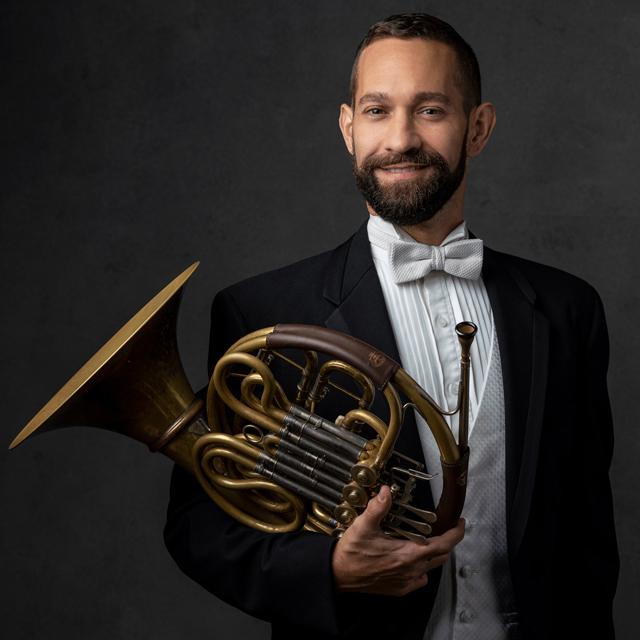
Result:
[
  {"x": 374, "y": 111},
  {"x": 431, "y": 111}
]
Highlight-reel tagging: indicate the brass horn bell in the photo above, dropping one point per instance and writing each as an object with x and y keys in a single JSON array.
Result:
[{"x": 134, "y": 385}]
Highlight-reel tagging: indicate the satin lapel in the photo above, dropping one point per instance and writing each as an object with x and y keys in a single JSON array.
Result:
[
  {"x": 352, "y": 284},
  {"x": 523, "y": 337}
]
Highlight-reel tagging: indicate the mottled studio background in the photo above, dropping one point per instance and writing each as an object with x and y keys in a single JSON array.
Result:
[{"x": 139, "y": 136}]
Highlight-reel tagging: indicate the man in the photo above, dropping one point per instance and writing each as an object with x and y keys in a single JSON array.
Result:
[{"x": 538, "y": 558}]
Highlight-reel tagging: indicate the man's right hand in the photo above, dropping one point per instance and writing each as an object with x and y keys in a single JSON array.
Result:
[{"x": 369, "y": 561}]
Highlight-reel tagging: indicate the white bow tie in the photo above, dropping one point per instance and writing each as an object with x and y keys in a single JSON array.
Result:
[{"x": 411, "y": 260}]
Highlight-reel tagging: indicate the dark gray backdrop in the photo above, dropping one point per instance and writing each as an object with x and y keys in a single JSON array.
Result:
[{"x": 140, "y": 136}]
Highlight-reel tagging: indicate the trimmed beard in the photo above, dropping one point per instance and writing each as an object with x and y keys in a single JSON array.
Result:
[{"x": 410, "y": 202}]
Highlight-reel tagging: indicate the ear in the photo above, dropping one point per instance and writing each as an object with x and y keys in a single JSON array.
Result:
[
  {"x": 482, "y": 120},
  {"x": 345, "y": 120}
]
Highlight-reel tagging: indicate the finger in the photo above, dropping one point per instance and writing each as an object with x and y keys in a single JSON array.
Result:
[
  {"x": 416, "y": 583},
  {"x": 377, "y": 509},
  {"x": 455, "y": 534},
  {"x": 436, "y": 561},
  {"x": 398, "y": 588},
  {"x": 444, "y": 543}
]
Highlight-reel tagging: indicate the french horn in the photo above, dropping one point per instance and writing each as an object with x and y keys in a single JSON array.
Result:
[{"x": 274, "y": 463}]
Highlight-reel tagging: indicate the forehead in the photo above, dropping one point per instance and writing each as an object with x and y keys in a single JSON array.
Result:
[{"x": 404, "y": 67}]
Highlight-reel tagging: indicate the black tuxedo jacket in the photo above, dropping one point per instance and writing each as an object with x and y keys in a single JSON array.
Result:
[{"x": 561, "y": 541}]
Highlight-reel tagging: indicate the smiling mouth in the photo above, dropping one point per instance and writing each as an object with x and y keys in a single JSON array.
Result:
[
  {"x": 407, "y": 170},
  {"x": 412, "y": 167}
]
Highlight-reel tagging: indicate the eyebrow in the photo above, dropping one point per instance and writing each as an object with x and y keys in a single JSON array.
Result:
[{"x": 422, "y": 96}]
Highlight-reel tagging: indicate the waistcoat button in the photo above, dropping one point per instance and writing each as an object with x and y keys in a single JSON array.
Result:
[
  {"x": 466, "y": 571},
  {"x": 466, "y": 616}
]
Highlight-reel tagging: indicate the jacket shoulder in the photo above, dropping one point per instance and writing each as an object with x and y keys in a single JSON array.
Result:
[
  {"x": 292, "y": 293},
  {"x": 546, "y": 281},
  {"x": 571, "y": 305}
]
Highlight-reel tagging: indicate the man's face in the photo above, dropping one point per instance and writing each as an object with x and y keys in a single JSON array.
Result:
[{"x": 408, "y": 128}]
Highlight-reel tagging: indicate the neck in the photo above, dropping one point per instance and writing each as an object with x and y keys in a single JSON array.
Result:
[{"x": 436, "y": 229}]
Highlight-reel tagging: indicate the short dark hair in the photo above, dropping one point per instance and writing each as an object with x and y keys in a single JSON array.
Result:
[{"x": 422, "y": 25}]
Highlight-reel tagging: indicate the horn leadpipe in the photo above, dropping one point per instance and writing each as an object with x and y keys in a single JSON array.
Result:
[{"x": 466, "y": 332}]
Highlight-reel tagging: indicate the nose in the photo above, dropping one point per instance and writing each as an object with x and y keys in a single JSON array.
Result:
[{"x": 401, "y": 135}]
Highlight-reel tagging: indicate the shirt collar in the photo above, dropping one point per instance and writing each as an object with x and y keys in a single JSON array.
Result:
[{"x": 382, "y": 233}]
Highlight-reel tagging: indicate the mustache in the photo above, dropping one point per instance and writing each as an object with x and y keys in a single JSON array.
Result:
[{"x": 419, "y": 157}]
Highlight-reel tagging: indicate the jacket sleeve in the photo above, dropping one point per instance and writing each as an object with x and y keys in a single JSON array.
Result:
[
  {"x": 282, "y": 578},
  {"x": 597, "y": 553}
]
